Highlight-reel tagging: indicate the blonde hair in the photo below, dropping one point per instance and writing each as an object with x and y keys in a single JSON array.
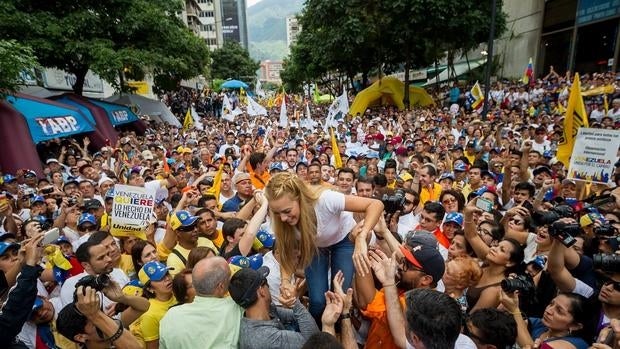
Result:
[
  {"x": 472, "y": 272},
  {"x": 288, "y": 184}
]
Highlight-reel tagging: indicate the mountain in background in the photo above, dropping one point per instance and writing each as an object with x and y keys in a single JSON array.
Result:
[{"x": 267, "y": 27}]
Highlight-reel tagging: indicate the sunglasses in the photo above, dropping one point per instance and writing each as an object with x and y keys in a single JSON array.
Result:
[
  {"x": 616, "y": 284},
  {"x": 516, "y": 221},
  {"x": 187, "y": 229},
  {"x": 449, "y": 201}
]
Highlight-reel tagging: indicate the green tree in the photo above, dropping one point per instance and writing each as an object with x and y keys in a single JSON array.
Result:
[
  {"x": 232, "y": 61},
  {"x": 15, "y": 59},
  {"x": 113, "y": 38}
]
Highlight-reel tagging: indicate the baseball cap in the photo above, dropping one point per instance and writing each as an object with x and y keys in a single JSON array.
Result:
[
  {"x": 276, "y": 166},
  {"x": 51, "y": 160},
  {"x": 426, "y": 258},
  {"x": 486, "y": 173},
  {"x": 36, "y": 199},
  {"x": 454, "y": 217},
  {"x": 401, "y": 151},
  {"x": 147, "y": 155},
  {"x": 87, "y": 218},
  {"x": 125, "y": 140},
  {"x": 405, "y": 176},
  {"x": 133, "y": 288},
  {"x": 241, "y": 177},
  {"x": 182, "y": 219},
  {"x": 460, "y": 166},
  {"x": 104, "y": 179},
  {"x": 109, "y": 194},
  {"x": 266, "y": 239},
  {"x": 540, "y": 169},
  {"x": 421, "y": 237},
  {"x": 446, "y": 175},
  {"x": 8, "y": 178},
  {"x": 5, "y": 246},
  {"x": 60, "y": 240},
  {"x": 244, "y": 284},
  {"x": 152, "y": 271},
  {"x": 92, "y": 204}
]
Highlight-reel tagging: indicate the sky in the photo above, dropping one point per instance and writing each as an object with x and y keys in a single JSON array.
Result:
[{"x": 251, "y": 2}]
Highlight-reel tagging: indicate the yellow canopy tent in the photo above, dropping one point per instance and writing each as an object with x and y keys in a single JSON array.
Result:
[{"x": 389, "y": 90}]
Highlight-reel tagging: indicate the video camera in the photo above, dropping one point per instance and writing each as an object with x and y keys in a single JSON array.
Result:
[
  {"x": 98, "y": 283},
  {"x": 394, "y": 202}
]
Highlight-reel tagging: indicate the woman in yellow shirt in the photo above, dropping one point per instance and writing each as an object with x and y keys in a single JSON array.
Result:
[{"x": 158, "y": 290}]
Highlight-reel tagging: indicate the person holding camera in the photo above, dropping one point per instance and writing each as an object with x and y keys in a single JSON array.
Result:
[{"x": 83, "y": 321}]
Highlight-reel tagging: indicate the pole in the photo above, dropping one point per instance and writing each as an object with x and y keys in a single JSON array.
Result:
[{"x": 487, "y": 75}]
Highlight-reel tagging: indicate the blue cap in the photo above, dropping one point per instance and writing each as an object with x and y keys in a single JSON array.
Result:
[
  {"x": 38, "y": 303},
  {"x": 276, "y": 166},
  {"x": 454, "y": 217},
  {"x": 61, "y": 240},
  {"x": 87, "y": 218},
  {"x": 5, "y": 246},
  {"x": 240, "y": 261},
  {"x": 37, "y": 198},
  {"x": 548, "y": 154},
  {"x": 460, "y": 166},
  {"x": 110, "y": 193},
  {"x": 182, "y": 219},
  {"x": 446, "y": 175},
  {"x": 8, "y": 178},
  {"x": 256, "y": 261},
  {"x": 152, "y": 271},
  {"x": 372, "y": 155},
  {"x": 481, "y": 190},
  {"x": 265, "y": 238}
]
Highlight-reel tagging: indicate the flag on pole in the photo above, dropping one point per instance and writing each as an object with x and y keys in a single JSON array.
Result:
[
  {"x": 475, "y": 98},
  {"x": 283, "y": 115},
  {"x": 575, "y": 118},
  {"x": 228, "y": 113},
  {"x": 528, "y": 75},
  {"x": 259, "y": 89},
  {"x": 196, "y": 118},
  {"x": 242, "y": 95},
  {"x": 337, "y": 158},
  {"x": 606, "y": 104},
  {"x": 337, "y": 110},
  {"x": 255, "y": 109},
  {"x": 189, "y": 121},
  {"x": 315, "y": 94}
]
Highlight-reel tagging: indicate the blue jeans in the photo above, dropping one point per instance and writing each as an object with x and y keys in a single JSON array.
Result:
[{"x": 339, "y": 257}]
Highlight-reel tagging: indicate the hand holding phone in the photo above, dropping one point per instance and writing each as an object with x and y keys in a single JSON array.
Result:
[
  {"x": 484, "y": 204},
  {"x": 50, "y": 236}
]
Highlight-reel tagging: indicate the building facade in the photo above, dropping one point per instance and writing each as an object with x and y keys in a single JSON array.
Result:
[
  {"x": 270, "y": 71},
  {"x": 234, "y": 22},
  {"x": 292, "y": 30},
  {"x": 208, "y": 13}
]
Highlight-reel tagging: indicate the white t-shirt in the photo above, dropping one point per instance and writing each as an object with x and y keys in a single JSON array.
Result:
[
  {"x": 541, "y": 147},
  {"x": 273, "y": 279},
  {"x": 333, "y": 223},
  {"x": 407, "y": 223}
]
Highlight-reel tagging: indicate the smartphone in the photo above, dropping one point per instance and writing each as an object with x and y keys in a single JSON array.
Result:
[
  {"x": 50, "y": 236},
  {"x": 484, "y": 204},
  {"x": 48, "y": 190},
  {"x": 528, "y": 205}
]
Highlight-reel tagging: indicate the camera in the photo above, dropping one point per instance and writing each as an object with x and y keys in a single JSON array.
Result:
[
  {"x": 548, "y": 217},
  {"x": 394, "y": 202},
  {"x": 522, "y": 283},
  {"x": 98, "y": 283},
  {"x": 72, "y": 201},
  {"x": 565, "y": 232},
  {"x": 605, "y": 230},
  {"x": 607, "y": 262}
]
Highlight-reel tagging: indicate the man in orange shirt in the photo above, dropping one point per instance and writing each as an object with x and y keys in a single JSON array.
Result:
[
  {"x": 259, "y": 176},
  {"x": 421, "y": 267},
  {"x": 429, "y": 189}
]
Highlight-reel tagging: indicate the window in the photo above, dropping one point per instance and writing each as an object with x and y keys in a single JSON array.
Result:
[{"x": 206, "y": 14}]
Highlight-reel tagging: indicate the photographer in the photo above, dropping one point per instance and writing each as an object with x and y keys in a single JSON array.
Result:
[{"x": 84, "y": 322}]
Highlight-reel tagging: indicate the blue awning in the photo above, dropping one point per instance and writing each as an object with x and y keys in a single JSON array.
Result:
[
  {"x": 48, "y": 119},
  {"x": 118, "y": 114},
  {"x": 68, "y": 101}
]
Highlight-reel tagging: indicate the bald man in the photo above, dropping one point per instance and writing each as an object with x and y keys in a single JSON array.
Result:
[{"x": 212, "y": 309}]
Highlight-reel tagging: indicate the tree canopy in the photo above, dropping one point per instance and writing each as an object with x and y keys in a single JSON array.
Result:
[
  {"x": 356, "y": 37},
  {"x": 232, "y": 61},
  {"x": 113, "y": 38},
  {"x": 15, "y": 60}
]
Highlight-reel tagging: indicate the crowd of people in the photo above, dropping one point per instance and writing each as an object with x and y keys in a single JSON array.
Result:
[{"x": 423, "y": 228}]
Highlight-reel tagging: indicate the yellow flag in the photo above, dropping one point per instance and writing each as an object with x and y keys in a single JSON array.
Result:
[
  {"x": 189, "y": 121},
  {"x": 56, "y": 258},
  {"x": 575, "y": 118},
  {"x": 337, "y": 158}
]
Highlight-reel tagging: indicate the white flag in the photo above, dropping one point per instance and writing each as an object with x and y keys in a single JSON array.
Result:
[
  {"x": 259, "y": 89},
  {"x": 255, "y": 109},
  {"x": 338, "y": 110},
  {"x": 228, "y": 113},
  {"x": 196, "y": 117},
  {"x": 283, "y": 116}
]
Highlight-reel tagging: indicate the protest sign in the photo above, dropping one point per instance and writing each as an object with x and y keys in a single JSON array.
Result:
[
  {"x": 594, "y": 155},
  {"x": 132, "y": 210}
]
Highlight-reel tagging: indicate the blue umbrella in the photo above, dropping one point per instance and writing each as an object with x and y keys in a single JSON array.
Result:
[{"x": 234, "y": 84}]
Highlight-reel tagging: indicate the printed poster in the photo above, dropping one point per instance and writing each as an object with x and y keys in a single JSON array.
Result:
[
  {"x": 594, "y": 155},
  {"x": 132, "y": 210}
]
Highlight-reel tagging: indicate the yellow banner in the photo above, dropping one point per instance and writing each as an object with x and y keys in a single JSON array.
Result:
[
  {"x": 337, "y": 158},
  {"x": 609, "y": 89}
]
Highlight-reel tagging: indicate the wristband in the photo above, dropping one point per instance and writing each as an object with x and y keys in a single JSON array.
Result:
[
  {"x": 388, "y": 285},
  {"x": 345, "y": 316},
  {"x": 118, "y": 334}
]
